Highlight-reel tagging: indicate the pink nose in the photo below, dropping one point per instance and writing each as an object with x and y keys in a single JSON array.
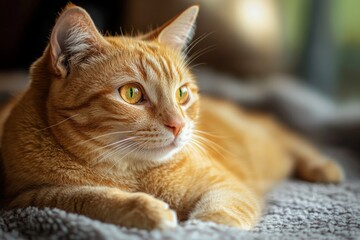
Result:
[{"x": 175, "y": 126}]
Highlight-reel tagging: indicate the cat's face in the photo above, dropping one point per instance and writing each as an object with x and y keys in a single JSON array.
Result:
[{"x": 122, "y": 98}]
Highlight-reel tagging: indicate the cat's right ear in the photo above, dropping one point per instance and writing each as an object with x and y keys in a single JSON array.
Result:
[
  {"x": 177, "y": 32},
  {"x": 74, "y": 39}
]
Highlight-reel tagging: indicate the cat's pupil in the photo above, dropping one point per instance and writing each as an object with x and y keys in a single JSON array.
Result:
[
  {"x": 180, "y": 92},
  {"x": 131, "y": 92}
]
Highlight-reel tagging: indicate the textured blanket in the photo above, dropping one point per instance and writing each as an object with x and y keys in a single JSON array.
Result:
[{"x": 295, "y": 210}]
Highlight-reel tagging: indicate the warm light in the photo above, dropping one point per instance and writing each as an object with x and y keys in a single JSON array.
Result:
[
  {"x": 254, "y": 12},
  {"x": 257, "y": 20}
]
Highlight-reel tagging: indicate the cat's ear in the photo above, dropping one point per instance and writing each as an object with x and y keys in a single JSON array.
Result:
[
  {"x": 177, "y": 32},
  {"x": 73, "y": 39}
]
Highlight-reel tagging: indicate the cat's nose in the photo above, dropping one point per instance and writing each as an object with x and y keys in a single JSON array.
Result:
[{"x": 175, "y": 126}]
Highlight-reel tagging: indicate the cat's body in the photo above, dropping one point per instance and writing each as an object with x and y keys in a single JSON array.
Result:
[{"x": 71, "y": 142}]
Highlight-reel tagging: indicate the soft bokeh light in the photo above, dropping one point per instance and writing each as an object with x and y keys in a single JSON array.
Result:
[{"x": 257, "y": 22}]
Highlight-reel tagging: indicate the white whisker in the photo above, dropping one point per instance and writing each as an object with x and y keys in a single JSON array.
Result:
[
  {"x": 208, "y": 134},
  {"x": 120, "y": 143},
  {"x": 199, "y": 147},
  {"x": 104, "y": 135},
  {"x": 56, "y": 124},
  {"x": 199, "y": 54},
  {"x": 118, "y": 161},
  {"x": 214, "y": 146},
  {"x": 197, "y": 41}
]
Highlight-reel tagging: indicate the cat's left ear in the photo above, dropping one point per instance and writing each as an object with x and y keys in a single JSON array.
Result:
[
  {"x": 74, "y": 39},
  {"x": 177, "y": 32}
]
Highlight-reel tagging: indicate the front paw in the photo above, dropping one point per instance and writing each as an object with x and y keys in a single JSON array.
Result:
[{"x": 146, "y": 212}]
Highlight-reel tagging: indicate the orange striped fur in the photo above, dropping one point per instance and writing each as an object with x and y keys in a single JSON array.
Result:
[{"x": 73, "y": 143}]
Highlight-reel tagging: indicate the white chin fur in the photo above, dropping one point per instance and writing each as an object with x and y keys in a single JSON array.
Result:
[{"x": 162, "y": 155}]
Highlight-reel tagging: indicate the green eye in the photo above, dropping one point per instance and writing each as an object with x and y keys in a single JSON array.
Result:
[
  {"x": 182, "y": 95},
  {"x": 131, "y": 93}
]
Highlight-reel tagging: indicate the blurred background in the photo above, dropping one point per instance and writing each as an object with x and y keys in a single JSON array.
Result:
[{"x": 298, "y": 60}]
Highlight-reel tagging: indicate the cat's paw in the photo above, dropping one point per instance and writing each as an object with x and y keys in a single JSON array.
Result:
[
  {"x": 328, "y": 172},
  {"x": 147, "y": 212}
]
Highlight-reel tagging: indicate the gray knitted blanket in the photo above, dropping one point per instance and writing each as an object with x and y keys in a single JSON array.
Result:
[{"x": 295, "y": 210}]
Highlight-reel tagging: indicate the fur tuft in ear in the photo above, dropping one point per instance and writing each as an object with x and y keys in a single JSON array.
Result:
[
  {"x": 73, "y": 39},
  {"x": 178, "y": 32}
]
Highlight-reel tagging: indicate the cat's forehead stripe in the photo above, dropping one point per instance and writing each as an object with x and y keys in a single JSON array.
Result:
[
  {"x": 153, "y": 66},
  {"x": 165, "y": 68},
  {"x": 157, "y": 67},
  {"x": 173, "y": 71},
  {"x": 142, "y": 69}
]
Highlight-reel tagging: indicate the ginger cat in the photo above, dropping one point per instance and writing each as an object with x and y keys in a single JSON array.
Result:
[{"x": 113, "y": 128}]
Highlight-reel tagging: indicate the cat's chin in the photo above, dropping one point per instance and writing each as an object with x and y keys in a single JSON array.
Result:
[
  {"x": 158, "y": 154},
  {"x": 161, "y": 153}
]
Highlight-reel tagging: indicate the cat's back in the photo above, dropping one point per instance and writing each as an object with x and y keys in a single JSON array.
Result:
[
  {"x": 225, "y": 120},
  {"x": 243, "y": 142},
  {"x": 5, "y": 110}
]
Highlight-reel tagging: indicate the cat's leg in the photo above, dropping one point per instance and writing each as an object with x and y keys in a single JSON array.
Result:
[
  {"x": 230, "y": 204},
  {"x": 310, "y": 164},
  {"x": 314, "y": 167},
  {"x": 106, "y": 204}
]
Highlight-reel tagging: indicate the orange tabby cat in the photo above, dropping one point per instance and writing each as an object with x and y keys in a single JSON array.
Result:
[{"x": 113, "y": 128}]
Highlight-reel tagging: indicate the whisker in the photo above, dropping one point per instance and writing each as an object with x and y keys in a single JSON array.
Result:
[
  {"x": 197, "y": 41},
  {"x": 199, "y": 147},
  {"x": 56, "y": 124},
  {"x": 209, "y": 134},
  {"x": 121, "y": 148},
  {"x": 202, "y": 148},
  {"x": 196, "y": 65},
  {"x": 104, "y": 135},
  {"x": 107, "y": 154},
  {"x": 120, "y": 144},
  {"x": 213, "y": 145},
  {"x": 200, "y": 53},
  {"x": 152, "y": 138},
  {"x": 106, "y": 173}
]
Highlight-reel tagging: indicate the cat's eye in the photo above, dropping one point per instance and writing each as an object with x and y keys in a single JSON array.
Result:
[
  {"x": 182, "y": 95},
  {"x": 131, "y": 93}
]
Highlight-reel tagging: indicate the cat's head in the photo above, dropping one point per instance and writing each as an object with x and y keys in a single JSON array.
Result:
[{"x": 119, "y": 97}]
